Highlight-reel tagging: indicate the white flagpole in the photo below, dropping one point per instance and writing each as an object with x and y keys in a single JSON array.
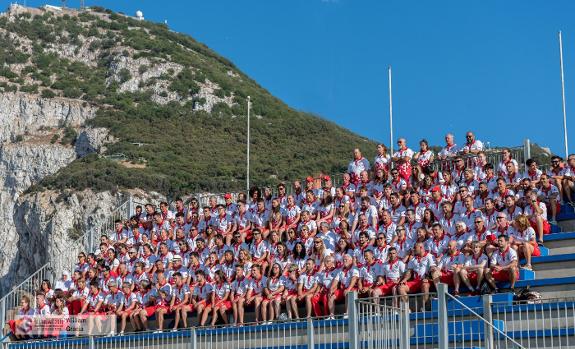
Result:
[
  {"x": 248, "y": 148},
  {"x": 563, "y": 95},
  {"x": 390, "y": 114}
]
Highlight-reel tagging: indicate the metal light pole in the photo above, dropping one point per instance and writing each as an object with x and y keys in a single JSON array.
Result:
[
  {"x": 248, "y": 148},
  {"x": 563, "y": 95},
  {"x": 390, "y": 114}
]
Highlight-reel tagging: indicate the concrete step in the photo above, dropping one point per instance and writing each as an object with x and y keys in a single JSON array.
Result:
[
  {"x": 560, "y": 243},
  {"x": 554, "y": 266}
]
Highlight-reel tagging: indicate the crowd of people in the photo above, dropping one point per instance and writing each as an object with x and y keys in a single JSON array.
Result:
[{"x": 397, "y": 225}]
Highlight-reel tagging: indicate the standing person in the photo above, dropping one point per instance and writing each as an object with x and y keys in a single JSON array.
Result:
[
  {"x": 382, "y": 159},
  {"x": 179, "y": 304},
  {"x": 357, "y": 165},
  {"x": 403, "y": 157},
  {"x": 450, "y": 149}
]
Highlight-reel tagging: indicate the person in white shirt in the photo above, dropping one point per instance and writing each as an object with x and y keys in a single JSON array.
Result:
[
  {"x": 523, "y": 240},
  {"x": 472, "y": 270},
  {"x": 450, "y": 149},
  {"x": 504, "y": 265},
  {"x": 416, "y": 277},
  {"x": 357, "y": 165},
  {"x": 449, "y": 266},
  {"x": 473, "y": 145},
  {"x": 307, "y": 286},
  {"x": 393, "y": 269},
  {"x": 382, "y": 159},
  {"x": 65, "y": 283}
]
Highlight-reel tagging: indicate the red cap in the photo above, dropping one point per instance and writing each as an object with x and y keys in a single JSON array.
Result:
[
  {"x": 227, "y": 196},
  {"x": 326, "y": 178},
  {"x": 309, "y": 179},
  {"x": 436, "y": 188}
]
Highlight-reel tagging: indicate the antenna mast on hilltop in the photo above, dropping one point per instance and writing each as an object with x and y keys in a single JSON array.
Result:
[
  {"x": 63, "y": 3},
  {"x": 82, "y": 4}
]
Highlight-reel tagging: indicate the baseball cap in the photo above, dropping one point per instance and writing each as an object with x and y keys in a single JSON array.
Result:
[
  {"x": 177, "y": 257},
  {"x": 227, "y": 196},
  {"x": 309, "y": 179},
  {"x": 326, "y": 178},
  {"x": 436, "y": 188}
]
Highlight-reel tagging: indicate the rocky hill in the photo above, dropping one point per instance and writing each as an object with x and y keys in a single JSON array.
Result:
[{"x": 94, "y": 102}]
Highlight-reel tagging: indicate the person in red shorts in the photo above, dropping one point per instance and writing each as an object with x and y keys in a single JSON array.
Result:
[
  {"x": 504, "y": 263},
  {"x": 307, "y": 285},
  {"x": 128, "y": 305},
  {"x": 239, "y": 290},
  {"x": 523, "y": 240},
  {"x": 272, "y": 295},
  {"x": 145, "y": 307},
  {"x": 369, "y": 273},
  {"x": 345, "y": 282},
  {"x": 220, "y": 301},
  {"x": 201, "y": 297},
  {"x": 393, "y": 270},
  {"x": 415, "y": 279},
  {"x": 93, "y": 306},
  {"x": 449, "y": 267},
  {"x": 471, "y": 273},
  {"x": 322, "y": 304},
  {"x": 255, "y": 291},
  {"x": 180, "y": 303},
  {"x": 290, "y": 292}
]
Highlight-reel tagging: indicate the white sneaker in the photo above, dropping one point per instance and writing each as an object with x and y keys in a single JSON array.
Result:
[
  {"x": 174, "y": 330},
  {"x": 158, "y": 331},
  {"x": 121, "y": 333},
  {"x": 112, "y": 333},
  {"x": 331, "y": 317},
  {"x": 345, "y": 316}
]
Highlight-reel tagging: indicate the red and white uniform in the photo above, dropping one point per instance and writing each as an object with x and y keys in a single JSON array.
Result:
[
  {"x": 437, "y": 247},
  {"x": 424, "y": 159},
  {"x": 240, "y": 286},
  {"x": 380, "y": 253},
  {"x": 355, "y": 167},
  {"x": 93, "y": 300},
  {"x": 259, "y": 249},
  {"x": 290, "y": 213},
  {"x": 369, "y": 273},
  {"x": 421, "y": 265},
  {"x": 202, "y": 292},
  {"x": 223, "y": 222},
  {"x": 476, "y": 145},
  {"x": 472, "y": 261},
  {"x": 397, "y": 213},
  {"x": 393, "y": 270},
  {"x": 326, "y": 277},
  {"x": 448, "y": 262},
  {"x": 388, "y": 230},
  {"x": 382, "y": 162},
  {"x": 260, "y": 218},
  {"x": 344, "y": 276},
  {"x": 449, "y": 150},
  {"x": 258, "y": 285}
]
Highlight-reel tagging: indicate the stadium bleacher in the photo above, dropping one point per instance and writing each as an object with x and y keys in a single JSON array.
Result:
[{"x": 552, "y": 280}]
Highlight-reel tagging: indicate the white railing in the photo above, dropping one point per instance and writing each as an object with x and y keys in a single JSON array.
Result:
[
  {"x": 10, "y": 301},
  {"x": 539, "y": 323}
]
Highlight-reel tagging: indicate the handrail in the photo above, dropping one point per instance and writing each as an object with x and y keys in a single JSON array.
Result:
[
  {"x": 484, "y": 320},
  {"x": 12, "y": 299}
]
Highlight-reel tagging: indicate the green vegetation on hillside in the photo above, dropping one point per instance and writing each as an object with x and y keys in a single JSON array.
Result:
[{"x": 185, "y": 149}]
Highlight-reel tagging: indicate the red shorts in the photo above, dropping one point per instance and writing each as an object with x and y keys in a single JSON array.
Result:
[
  {"x": 546, "y": 226},
  {"x": 292, "y": 293},
  {"x": 414, "y": 286},
  {"x": 387, "y": 288},
  {"x": 536, "y": 250},
  {"x": 227, "y": 305},
  {"x": 472, "y": 276},
  {"x": 150, "y": 310},
  {"x": 503, "y": 275},
  {"x": 446, "y": 277}
]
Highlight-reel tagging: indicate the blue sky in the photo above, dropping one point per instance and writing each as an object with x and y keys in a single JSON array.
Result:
[{"x": 490, "y": 66}]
